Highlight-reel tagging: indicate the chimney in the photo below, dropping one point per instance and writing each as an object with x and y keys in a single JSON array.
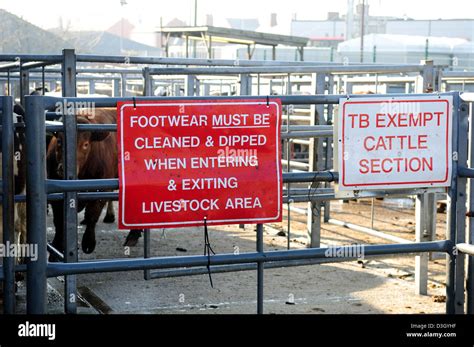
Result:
[
  {"x": 209, "y": 20},
  {"x": 273, "y": 19}
]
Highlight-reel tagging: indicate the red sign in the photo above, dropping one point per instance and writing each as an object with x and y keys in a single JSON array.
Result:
[{"x": 181, "y": 162}]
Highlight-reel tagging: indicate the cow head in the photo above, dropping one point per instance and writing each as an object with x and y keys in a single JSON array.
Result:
[{"x": 85, "y": 144}]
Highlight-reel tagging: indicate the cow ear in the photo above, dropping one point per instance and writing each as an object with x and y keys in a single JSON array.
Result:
[{"x": 99, "y": 135}]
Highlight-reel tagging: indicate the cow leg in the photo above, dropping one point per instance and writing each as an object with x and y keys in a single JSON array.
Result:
[
  {"x": 133, "y": 237},
  {"x": 93, "y": 211},
  {"x": 58, "y": 218},
  {"x": 110, "y": 215},
  {"x": 20, "y": 233}
]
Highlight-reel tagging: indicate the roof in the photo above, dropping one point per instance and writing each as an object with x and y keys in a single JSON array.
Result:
[
  {"x": 102, "y": 42},
  {"x": 235, "y": 36}
]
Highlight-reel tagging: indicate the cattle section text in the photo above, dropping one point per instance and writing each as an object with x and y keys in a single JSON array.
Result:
[{"x": 394, "y": 142}]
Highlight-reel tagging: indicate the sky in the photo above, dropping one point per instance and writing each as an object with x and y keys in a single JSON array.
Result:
[{"x": 101, "y": 14}]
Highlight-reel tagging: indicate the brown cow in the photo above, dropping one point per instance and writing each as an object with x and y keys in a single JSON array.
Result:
[{"x": 97, "y": 158}]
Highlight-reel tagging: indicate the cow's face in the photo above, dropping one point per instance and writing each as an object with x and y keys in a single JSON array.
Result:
[{"x": 85, "y": 144}]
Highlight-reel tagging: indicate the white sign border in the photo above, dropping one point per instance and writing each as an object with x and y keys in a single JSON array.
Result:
[
  {"x": 199, "y": 222},
  {"x": 397, "y": 185}
]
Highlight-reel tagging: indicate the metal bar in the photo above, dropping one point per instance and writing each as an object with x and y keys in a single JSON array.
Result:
[
  {"x": 83, "y": 127},
  {"x": 194, "y": 271},
  {"x": 185, "y": 61},
  {"x": 70, "y": 173},
  {"x": 36, "y": 204},
  {"x": 466, "y": 172},
  {"x": 369, "y": 231},
  {"x": 260, "y": 266},
  {"x": 57, "y": 253},
  {"x": 31, "y": 57},
  {"x": 465, "y": 248},
  {"x": 58, "y": 186},
  {"x": 8, "y": 208},
  {"x": 50, "y": 101},
  {"x": 113, "y": 127},
  {"x": 10, "y": 66},
  {"x": 331, "y": 69},
  {"x": 114, "y": 195},
  {"x": 137, "y": 264}
]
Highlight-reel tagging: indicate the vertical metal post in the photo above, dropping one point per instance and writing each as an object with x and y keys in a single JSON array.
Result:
[
  {"x": 428, "y": 75},
  {"x": 470, "y": 229},
  {"x": 316, "y": 155},
  {"x": 123, "y": 85},
  {"x": 372, "y": 213},
  {"x": 146, "y": 251},
  {"x": 462, "y": 114},
  {"x": 329, "y": 149},
  {"x": 8, "y": 205},
  {"x": 209, "y": 48},
  {"x": 190, "y": 85},
  {"x": 258, "y": 84},
  {"x": 451, "y": 231},
  {"x": 24, "y": 84},
  {"x": 423, "y": 234},
  {"x": 260, "y": 270},
  {"x": 9, "y": 89},
  {"x": 116, "y": 87},
  {"x": 92, "y": 87},
  {"x": 245, "y": 84},
  {"x": 36, "y": 294},
  {"x": 43, "y": 81},
  {"x": 288, "y": 163},
  {"x": 362, "y": 32},
  {"x": 70, "y": 162},
  {"x": 147, "y": 83},
  {"x": 207, "y": 89},
  {"x": 186, "y": 40}
]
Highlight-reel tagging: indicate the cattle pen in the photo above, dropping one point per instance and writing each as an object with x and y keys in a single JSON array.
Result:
[{"x": 316, "y": 136}]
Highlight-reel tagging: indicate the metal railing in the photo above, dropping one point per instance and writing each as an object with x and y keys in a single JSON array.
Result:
[{"x": 38, "y": 188}]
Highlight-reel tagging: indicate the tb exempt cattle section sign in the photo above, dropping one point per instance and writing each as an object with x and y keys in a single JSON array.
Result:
[
  {"x": 183, "y": 161},
  {"x": 390, "y": 143}
]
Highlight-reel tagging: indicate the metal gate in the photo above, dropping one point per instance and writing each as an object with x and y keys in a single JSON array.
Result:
[{"x": 40, "y": 189}]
